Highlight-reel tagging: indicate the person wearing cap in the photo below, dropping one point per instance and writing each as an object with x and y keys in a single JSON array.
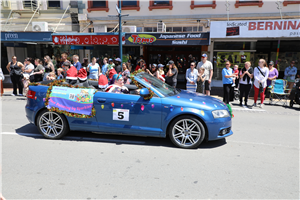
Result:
[
  {"x": 72, "y": 74},
  {"x": 94, "y": 69},
  {"x": 191, "y": 78},
  {"x": 118, "y": 85},
  {"x": 171, "y": 76},
  {"x": 118, "y": 67},
  {"x": 140, "y": 64},
  {"x": 161, "y": 72},
  {"x": 153, "y": 71},
  {"x": 208, "y": 71},
  {"x": 289, "y": 74}
]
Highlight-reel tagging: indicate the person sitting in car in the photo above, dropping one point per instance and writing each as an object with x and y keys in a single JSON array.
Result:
[{"x": 118, "y": 85}]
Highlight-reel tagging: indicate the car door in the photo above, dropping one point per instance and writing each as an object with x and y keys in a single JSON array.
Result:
[{"x": 128, "y": 114}]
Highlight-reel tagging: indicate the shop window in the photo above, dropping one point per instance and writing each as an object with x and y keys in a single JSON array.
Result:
[
  {"x": 285, "y": 3},
  {"x": 177, "y": 29},
  {"x": 160, "y": 5},
  {"x": 248, "y": 3},
  {"x": 54, "y": 4},
  {"x": 131, "y": 5},
  {"x": 98, "y": 6},
  {"x": 201, "y": 4}
]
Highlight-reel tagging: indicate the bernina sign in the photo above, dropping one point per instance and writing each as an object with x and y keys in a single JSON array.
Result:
[
  {"x": 255, "y": 29},
  {"x": 167, "y": 38}
]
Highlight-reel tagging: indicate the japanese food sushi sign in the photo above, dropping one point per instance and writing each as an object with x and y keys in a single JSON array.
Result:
[{"x": 72, "y": 100}]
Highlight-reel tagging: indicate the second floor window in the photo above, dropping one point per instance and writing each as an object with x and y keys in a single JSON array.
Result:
[
  {"x": 129, "y": 3},
  {"x": 161, "y": 3},
  {"x": 99, "y": 4},
  {"x": 54, "y": 4},
  {"x": 203, "y": 2}
]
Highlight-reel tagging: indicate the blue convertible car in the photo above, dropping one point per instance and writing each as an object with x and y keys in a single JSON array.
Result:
[{"x": 186, "y": 117}]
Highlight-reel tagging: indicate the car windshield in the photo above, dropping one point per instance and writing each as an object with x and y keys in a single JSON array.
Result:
[{"x": 159, "y": 85}]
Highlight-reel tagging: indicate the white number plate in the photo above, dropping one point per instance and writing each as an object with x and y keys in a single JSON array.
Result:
[{"x": 121, "y": 114}]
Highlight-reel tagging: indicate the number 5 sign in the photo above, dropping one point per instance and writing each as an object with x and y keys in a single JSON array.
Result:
[{"x": 121, "y": 114}]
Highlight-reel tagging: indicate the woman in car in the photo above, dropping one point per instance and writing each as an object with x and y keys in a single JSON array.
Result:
[{"x": 118, "y": 85}]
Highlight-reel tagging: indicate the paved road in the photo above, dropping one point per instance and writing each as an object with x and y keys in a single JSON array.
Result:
[{"x": 261, "y": 160}]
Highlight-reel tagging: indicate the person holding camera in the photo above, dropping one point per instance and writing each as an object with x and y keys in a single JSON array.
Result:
[
  {"x": 227, "y": 76},
  {"x": 171, "y": 76},
  {"x": 16, "y": 69}
]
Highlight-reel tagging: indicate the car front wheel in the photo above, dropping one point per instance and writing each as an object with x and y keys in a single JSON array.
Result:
[
  {"x": 52, "y": 125},
  {"x": 186, "y": 132}
]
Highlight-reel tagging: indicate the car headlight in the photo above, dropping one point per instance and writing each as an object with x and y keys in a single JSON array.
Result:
[{"x": 220, "y": 113}]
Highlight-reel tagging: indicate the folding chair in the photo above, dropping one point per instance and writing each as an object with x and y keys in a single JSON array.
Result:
[{"x": 277, "y": 92}]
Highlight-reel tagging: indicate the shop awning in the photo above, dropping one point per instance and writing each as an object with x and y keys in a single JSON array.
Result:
[
  {"x": 86, "y": 38},
  {"x": 26, "y": 37},
  {"x": 177, "y": 39}
]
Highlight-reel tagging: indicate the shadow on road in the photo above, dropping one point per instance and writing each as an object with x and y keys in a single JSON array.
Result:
[{"x": 30, "y": 130}]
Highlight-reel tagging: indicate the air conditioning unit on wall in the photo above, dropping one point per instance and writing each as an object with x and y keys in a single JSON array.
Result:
[
  {"x": 129, "y": 29},
  {"x": 39, "y": 26},
  {"x": 5, "y": 4},
  {"x": 100, "y": 28},
  {"x": 161, "y": 27}
]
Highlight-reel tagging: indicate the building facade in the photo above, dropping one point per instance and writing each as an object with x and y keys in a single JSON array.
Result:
[{"x": 166, "y": 17}]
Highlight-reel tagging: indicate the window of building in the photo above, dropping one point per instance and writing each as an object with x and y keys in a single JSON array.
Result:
[
  {"x": 131, "y": 5},
  {"x": 54, "y": 4},
  {"x": 160, "y": 5},
  {"x": 239, "y": 3},
  {"x": 285, "y": 3},
  {"x": 98, "y": 6},
  {"x": 30, "y": 4},
  {"x": 201, "y": 4}
]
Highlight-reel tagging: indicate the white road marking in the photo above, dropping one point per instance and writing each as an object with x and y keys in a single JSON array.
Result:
[
  {"x": 77, "y": 138},
  {"x": 243, "y": 109}
]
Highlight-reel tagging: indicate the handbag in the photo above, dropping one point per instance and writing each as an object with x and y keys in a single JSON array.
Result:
[
  {"x": 2, "y": 77},
  {"x": 261, "y": 89}
]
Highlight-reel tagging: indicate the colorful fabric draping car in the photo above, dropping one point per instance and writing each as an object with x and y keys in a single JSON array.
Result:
[{"x": 186, "y": 117}]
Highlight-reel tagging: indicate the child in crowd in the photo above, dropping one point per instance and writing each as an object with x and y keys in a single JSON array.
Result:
[
  {"x": 200, "y": 80},
  {"x": 59, "y": 73},
  {"x": 51, "y": 76},
  {"x": 236, "y": 72}
]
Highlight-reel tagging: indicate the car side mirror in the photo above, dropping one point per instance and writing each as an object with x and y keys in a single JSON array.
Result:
[{"x": 144, "y": 92}]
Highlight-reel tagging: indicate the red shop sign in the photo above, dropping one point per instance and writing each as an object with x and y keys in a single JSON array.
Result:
[{"x": 85, "y": 39}]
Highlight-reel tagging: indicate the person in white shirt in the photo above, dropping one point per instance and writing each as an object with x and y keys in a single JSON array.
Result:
[
  {"x": 29, "y": 68},
  {"x": 207, "y": 65},
  {"x": 289, "y": 74},
  {"x": 261, "y": 74}
]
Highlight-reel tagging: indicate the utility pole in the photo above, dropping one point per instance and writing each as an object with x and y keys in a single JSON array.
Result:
[{"x": 227, "y": 9}]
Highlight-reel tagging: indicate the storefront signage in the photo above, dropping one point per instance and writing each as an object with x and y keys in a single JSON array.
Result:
[
  {"x": 26, "y": 36},
  {"x": 85, "y": 39},
  {"x": 255, "y": 29},
  {"x": 167, "y": 39},
  {"x": 235, "y": 58}
]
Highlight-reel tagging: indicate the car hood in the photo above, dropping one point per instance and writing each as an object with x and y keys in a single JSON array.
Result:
[{"x": 195, "y": 100}]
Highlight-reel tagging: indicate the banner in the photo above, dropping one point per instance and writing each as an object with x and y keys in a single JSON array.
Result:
[
  {"x": 86, "y": 39},
  {"x": 255, "y": 29},
  {"x": 72, "y": 100},
  {"x": 235, "y": 58},
  {"x": 167, "y": 38},
  {"x": 26, "y": 36}
]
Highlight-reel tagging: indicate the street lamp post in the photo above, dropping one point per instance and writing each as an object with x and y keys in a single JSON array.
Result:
[{"x": 118, "y": 8}]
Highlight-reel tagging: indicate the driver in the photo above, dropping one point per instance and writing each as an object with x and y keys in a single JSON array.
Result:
[{"x": 118, "y": 85}]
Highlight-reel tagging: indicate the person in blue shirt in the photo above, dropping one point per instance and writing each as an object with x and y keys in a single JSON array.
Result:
[
  {"x": 76, "y": 62},
  {"x": 227, "y": 75},
  {"x": 104, "y": 66}
]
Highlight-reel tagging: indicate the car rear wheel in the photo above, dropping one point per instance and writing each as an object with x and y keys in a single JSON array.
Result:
[
  {"x": 186, "y": 132},
  {"x": 52, "y": 125}
]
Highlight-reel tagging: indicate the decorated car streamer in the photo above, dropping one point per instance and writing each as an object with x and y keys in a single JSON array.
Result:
[
  {"x": 53, "y": 109},
  {"x": 138, "y": 85}
]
